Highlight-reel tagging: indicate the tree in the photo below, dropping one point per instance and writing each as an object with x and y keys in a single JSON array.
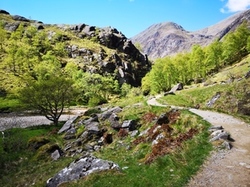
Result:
[
  {"x": 235, "y": 44},
  {"x": 49, "y": 96}
]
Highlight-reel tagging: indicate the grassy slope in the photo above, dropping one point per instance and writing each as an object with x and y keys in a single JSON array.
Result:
[
  {"x": 174, "y": 169},
  {"x": 231, "y": 93}
]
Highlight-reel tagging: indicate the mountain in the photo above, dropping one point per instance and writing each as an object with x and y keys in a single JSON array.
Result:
[
  {"x": 169, "y": 38},
  {"x": 93, "y": 49}
]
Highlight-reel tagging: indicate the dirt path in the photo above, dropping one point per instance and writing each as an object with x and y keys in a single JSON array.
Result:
[{"x": 224, "y": 168}]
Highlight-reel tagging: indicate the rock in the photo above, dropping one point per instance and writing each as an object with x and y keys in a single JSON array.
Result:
[
  {"x": 11, "y": 26},
  {"x": 114, "y": 121},
  {"x": 214, "y": 128},
  {"x": 178, "y": 86},
  {"x": 213, "y": 100},
  {"x": 92, "y": 125},
  {"x": 247, "y": 75},
  {"x": 79, "y": 169},
  {"x": 68, "y": 124},
  {"x": 106, "y": 114},
  {"x": 39, "y": 27},
  {"x": 134, "y": 133},
  {"x": 216, "y": 133},
  {"x": 55, "y": 155},
  {"x": 163, "y": 119},
  {"x": 130, "y": 124},
  {"x": 227, "y": 145},
  {"x": 20, "y": 18},
  {"x": 223, "y": 135},
  {"x": 4, "y": 12}
]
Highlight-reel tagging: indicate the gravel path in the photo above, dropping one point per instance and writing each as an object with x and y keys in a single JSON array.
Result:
[
  {"x": 8, "y": 121},
  {"x": 223, "y": 168},
  {"x": 226, "y": 168}
]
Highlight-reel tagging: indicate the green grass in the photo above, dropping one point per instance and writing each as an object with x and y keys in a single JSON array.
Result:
[
  {"x": 18, "y": 165},
  {"x": 231, "y": 95},
  {"x": 23, "y": 167},
  {"x": 193, "y": 96},
  {"x": 237, "y": 70},
  {"x": 174, "y": 169}
]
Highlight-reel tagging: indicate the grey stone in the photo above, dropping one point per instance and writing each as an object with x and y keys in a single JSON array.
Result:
[
  {"x": 130, "y": 124},
  {"x": 213, "y": 100},
  {"x": 68, "y": 124},
  {"x": 81, "y": 168},
  {"x": 20, "y": 18},
  {"x": 55, "y": 155}
]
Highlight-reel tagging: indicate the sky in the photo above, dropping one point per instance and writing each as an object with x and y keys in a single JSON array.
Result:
[{"x": 128, "y": 16}]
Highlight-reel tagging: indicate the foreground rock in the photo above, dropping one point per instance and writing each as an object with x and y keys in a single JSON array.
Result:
[{"x": 81, "y": 168}]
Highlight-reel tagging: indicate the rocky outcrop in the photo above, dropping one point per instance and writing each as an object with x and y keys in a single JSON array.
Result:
[
  {"x": 20, "y": 18},
  {"x": 94, "y": 134},
  {"x": 125, "y": 62},
  {"x": 4, "y": 12},
  {"x": 128, "y": 62},
  {"x": 169, "y": 38},
  {"x": 81, "y": 168}
]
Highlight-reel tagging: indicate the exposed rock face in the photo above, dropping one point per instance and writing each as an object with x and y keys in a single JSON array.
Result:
[
  {"x": 169, "y": 38},
  {"x": 20, "y": 18},
  {"x": 81, "y": 168}
]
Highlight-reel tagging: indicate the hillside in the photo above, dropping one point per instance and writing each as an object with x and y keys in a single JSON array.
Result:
[
  {"x": 164, "y": 39},
  {"x": 93, "y": 49},
  {"x": 113, "y": 134}
]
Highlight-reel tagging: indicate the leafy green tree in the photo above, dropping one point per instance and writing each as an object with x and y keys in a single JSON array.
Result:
[
  {"x": 49, "y": 96},
  {"x": 197, "y": 62},
  {"x": 95, "y": 88},
  {"x": 213, "y": 56},
  {"x": 235, "y": 44}
]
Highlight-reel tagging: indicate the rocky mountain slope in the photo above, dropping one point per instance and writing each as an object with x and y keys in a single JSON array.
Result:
[
  {"x": 169, "y": 38},
  {"x": 94, "y": 49}
]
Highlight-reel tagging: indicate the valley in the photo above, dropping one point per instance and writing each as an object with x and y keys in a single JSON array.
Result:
[{"x": 82, "y": 105}]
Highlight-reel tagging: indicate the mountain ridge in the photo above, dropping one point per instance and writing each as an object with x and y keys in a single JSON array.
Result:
[{"x": 168, "y": 38}]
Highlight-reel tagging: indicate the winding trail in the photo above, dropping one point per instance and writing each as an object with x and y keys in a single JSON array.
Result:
[{"x": 229, "y": 168}]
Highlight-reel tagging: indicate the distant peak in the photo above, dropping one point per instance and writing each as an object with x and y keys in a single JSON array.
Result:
[{"x": 167, "y": 25}]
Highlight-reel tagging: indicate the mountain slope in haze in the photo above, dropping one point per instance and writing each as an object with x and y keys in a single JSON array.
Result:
[{"x": 169, "y": 38}]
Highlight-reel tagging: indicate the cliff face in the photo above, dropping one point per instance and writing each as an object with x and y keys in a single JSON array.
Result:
[{"x": 169, "y": 38}]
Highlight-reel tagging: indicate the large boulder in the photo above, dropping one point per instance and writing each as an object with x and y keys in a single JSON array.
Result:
[{"x": 81, "y": 168}]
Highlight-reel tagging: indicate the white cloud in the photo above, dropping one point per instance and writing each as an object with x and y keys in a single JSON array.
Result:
[{"x": 235, "y": 5}]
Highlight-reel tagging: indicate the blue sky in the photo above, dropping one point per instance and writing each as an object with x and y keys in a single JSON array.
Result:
[{"x": 129, "y": 16}]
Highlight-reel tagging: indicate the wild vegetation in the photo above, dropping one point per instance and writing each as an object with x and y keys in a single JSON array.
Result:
[
  {"x": 140, "y": 160},
  {"x": 196, "y": 66},
  {"x": 35, "y": 70}
]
